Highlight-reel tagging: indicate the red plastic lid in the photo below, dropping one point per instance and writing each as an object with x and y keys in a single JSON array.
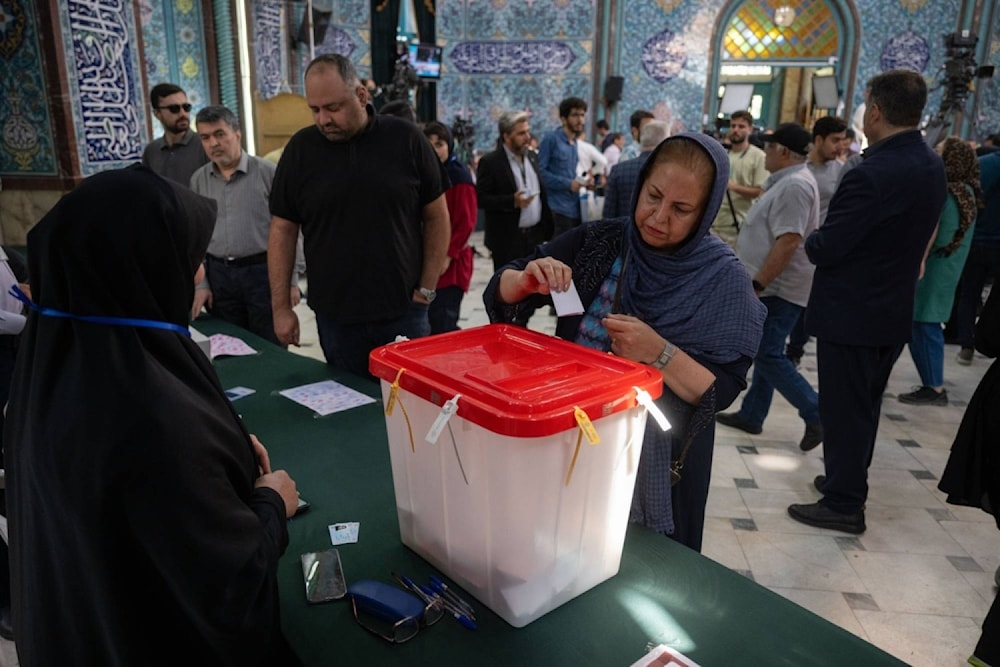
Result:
[{"x": 515, "y": 381}]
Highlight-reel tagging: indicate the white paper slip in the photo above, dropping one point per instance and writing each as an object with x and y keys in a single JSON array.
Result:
[
  {"x": 229, "y": 346},
  {"x": 344, "y": 533},
  {"x": 568, "y": 302},
  {"x": 327, "y": 397},
  {"x": 239, "y": 392}
]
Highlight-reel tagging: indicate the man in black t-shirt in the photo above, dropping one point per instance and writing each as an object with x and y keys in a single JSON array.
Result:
[{"x": 366, "y": 191}]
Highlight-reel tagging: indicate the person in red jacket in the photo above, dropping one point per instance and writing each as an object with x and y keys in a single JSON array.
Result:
[{"x": 461, "y": 199}]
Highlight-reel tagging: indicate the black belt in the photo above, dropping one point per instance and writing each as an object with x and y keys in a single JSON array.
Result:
[{"x": 249, "y": 260}]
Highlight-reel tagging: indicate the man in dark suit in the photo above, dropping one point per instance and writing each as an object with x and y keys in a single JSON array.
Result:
[
  {"x": 511, "y": 193},
  {"x": 867, "y": 256}
]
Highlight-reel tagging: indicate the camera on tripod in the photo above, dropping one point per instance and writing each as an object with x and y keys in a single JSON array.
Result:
[{"x": 958, "y": 72}]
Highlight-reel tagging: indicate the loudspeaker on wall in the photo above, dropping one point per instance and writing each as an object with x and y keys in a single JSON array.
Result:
[{"x": 613, "y": 89}]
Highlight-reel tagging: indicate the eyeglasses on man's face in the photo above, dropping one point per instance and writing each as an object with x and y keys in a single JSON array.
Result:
[{"x": 175, "y": 108}]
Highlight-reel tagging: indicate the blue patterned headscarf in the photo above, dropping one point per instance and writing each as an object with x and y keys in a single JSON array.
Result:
[{"x": 699, "y": 296}]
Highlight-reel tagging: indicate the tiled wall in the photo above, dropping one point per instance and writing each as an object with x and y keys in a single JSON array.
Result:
[
  {"x": 989, "y": 102},
  {"x": 513, "y": 54},
  {"x": 275, "y": 22},
  {"x": 173, "y": 42},
  {"x": 502, "y": 54},
  {"x": 498, "y": 54},
  {"x": 26, "y": 141},
  {"x": 106, "y": 96}
]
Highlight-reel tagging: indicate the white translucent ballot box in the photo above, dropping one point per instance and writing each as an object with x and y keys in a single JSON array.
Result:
[{"x": 514, "y": 456}]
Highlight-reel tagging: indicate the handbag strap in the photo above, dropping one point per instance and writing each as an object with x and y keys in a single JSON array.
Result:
[{"x": 732, "y": 209}]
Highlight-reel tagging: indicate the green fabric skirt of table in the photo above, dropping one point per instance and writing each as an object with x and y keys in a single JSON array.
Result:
[{"x": 663, "y": 594}]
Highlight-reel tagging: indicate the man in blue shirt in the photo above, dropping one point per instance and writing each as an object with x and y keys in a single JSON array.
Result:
[{"x": 557, "y": 159}]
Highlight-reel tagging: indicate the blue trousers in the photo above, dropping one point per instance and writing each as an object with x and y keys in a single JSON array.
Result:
[
  {"x": 347, "y": 346},
  {"x": 927, "y": 350},
  {"x": 772, "y": 370},
  {"x": 444, "y": 310}
]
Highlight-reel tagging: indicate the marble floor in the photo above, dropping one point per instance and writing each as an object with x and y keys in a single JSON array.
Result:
[{"x": 919, "y": 581}]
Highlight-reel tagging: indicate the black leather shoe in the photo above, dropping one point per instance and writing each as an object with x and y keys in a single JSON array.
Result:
[
  {"x": 732, "y": 419},
  {"x": 822, "y": 516},
  {"x": 813, "y": 436},
  {"x": 819, "y": 482}
]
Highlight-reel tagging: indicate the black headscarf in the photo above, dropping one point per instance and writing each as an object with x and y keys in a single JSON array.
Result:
[{"x": 130, "y": 479}]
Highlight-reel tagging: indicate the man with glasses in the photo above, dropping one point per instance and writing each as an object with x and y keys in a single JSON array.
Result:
[
  {"x": 557, "y": 161},
  {"x": 178, "y": 153}
]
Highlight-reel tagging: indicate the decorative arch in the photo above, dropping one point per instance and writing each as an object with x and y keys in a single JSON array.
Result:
[{"x": 800, "y": 44}]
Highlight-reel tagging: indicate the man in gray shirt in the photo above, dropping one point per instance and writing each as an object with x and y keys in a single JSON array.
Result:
[
  {"x": 829, "y": 134},
  {"x": 770, "y": 245},
  {"x": 236, "y": 287},
  {"x": 178, "y": 152}
]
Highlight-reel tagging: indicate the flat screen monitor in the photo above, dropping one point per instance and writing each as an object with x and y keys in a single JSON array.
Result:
[
  {"x": 736, "y": 97},
  {"x": 825, "y": 92},
  {"x": 426, "y": 60}
]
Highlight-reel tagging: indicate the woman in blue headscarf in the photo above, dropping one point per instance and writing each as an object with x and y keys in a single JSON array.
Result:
[{"x": 658, "y": 289}]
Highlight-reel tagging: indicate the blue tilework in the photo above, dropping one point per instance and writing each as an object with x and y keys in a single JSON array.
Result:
[{"x": 26, "y": 141}]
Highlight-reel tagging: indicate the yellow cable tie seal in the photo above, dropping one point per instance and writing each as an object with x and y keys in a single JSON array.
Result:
[
  {"x": 391, "y": 404},
  {"x": 393, "y": 393},
  {"x": 586, "y": 428}
]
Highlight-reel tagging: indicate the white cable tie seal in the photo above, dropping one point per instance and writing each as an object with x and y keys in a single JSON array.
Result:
[
  {"x": 647, "y": 402},
  {"x": 449, "y": 408}
]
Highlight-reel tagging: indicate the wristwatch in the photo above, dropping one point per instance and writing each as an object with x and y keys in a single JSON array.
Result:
[
  {"x": 758, "y": 287},
  {"x": 669, "y": 349},
  {"x": 429, "y": 294}
]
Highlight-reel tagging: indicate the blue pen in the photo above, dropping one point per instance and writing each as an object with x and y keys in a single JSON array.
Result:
[
  {"x": 452, "y": 609},
  {"x": 447, "y": 591},
  {"x": 453, "y": 599}
]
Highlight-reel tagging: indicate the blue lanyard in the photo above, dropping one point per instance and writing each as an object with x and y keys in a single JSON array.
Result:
[{"x": 16, "y": 292}]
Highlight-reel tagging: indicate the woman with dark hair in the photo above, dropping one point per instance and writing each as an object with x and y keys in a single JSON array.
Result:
[
  {"x": 942, "y": 270},
  {"x": 145, "y": 522},
  {"x": 462, "y": 209},
  {"x": 658, "y": 289}
]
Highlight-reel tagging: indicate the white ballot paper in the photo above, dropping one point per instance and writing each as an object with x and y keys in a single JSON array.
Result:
[
  {"x": 568, "y": 302},
  {"x": 327, "y": 397}
]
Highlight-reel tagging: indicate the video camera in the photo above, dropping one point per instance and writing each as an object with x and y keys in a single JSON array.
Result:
[{"x": 957, "y": 74}]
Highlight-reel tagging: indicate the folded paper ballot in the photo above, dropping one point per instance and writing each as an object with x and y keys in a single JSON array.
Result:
[{"x": 567, "y": 303}]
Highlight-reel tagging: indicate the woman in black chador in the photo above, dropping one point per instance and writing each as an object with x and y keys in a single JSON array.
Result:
[
  {"x": 972, "y": 476},
  {"x": 145, "y": 522}
]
